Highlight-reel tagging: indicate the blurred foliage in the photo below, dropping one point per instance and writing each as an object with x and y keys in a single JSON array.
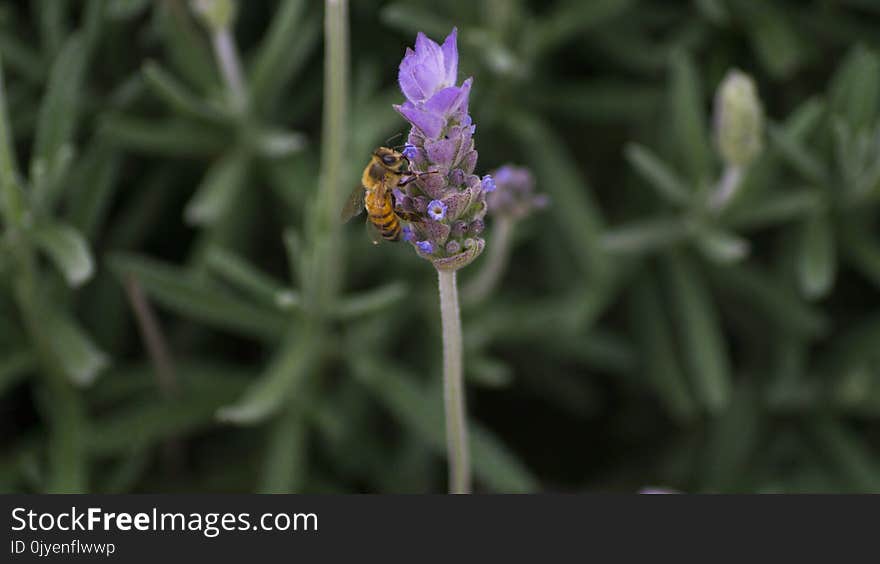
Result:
[{"x": 180, "y": 311}]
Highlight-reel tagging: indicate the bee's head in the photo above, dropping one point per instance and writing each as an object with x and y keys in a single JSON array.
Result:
[{"x": 391, "y": 159}]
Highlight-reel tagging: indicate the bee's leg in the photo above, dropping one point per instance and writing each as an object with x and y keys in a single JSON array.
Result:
[
  {"x": 407, "y": 180},
  {"x": 414, "y": 175}
]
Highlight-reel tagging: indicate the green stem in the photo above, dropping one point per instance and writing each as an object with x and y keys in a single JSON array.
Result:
[
  {"x": 230, "y": 65},
  {"x": 495, "y": 264},
  {"x": 326, "y": 247},
  {"x": 453, "y": 385},
  {"x": 727, "y": 186}
]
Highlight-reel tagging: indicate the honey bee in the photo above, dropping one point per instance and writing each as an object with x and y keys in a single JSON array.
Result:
[{"x": 386, "y": 170}]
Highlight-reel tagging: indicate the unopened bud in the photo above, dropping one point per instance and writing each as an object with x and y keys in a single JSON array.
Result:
[
  {"x": 739, "y": 119},
  {"x": 215, "y": 14}
]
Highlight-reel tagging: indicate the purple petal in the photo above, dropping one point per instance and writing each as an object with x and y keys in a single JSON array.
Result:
[
  {"x": 450, "y": 56},
  {"x": 427, "y": 49},
  {"x": 428, "y": 80},
  {"x": 408, "y": 83},
  {"x": 457, "y": 203},
  {"x": 445, "y": 102},
  {"x": 430, "y": 124},
  {"x": 433, "y": 184},
  {"x": 470, "y": 162},
  {"x": 440, "y": 152},
  {"x": 435, "y": 231}
]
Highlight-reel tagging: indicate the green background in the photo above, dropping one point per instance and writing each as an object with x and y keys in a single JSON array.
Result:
[{"x": 635, "y": 340}]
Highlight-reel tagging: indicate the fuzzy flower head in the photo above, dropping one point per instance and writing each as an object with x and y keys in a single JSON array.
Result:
[
  {"x": 513, "y": 194},
  {"x": 215, "y": 14},
  {"x": 739, "y": 119},
  {"x": 446, "y": 202}
]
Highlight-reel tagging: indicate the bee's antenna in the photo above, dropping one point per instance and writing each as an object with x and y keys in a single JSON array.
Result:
[{"x": 392, "y": 138}]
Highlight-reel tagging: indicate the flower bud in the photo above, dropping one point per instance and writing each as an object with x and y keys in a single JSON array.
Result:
[
  {"x": 215, "y": 14},
  {"x": 739, "y": 119}
]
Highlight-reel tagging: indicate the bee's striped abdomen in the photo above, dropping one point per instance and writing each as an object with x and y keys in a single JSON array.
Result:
[{"x": 382, "y": 216}]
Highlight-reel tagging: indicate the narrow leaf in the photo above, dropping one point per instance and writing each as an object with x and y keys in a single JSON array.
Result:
[
  {"x": 278, "y": 384},
  {"x": 689, "y": 118},
  {"x": 701, "y": 336},
  {"x": 660, "y": 176},
  {"x": 816, "y": 256},
  {"x": 195, "y": 297},
  {"x": 216, "y": 195},
  {"x": 78, "y": 356},
  {"x": 59, "y": 109},
  {"x": 68, "y": 250}
]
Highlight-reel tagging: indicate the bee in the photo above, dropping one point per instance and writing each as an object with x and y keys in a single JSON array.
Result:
[{"x": 386, "y": 170}]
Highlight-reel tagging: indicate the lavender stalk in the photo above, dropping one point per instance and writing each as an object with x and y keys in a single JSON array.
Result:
[
  {"x": 453, "y": 385},
  {"x": 445, "y": 206}
]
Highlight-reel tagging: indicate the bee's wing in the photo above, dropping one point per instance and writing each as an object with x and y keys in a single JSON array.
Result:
[{"x": 354, "y": 205}]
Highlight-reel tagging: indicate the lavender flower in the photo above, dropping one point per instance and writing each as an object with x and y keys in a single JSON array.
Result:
[
  {"x": 447, "y": 199},
  {"x": 515, "y": 195}
]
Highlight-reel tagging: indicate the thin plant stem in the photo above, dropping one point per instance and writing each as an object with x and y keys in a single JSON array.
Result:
[
  {"x": 326, "y": 227},
  {"x": 495, "y": 264},
  {"x": 153, "y": 337},
  {"x": 453, "y": 385},
  {"x": 230, "y": 65},
  {"x": 731, "y": 178}
]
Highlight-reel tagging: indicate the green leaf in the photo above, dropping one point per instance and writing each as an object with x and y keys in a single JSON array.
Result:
[
  {"x": 773, "y": 35},
  {"x": 660, "y": 176},
  {"x": 861, "y": 250},
  {"x": 14, "y": 368},
  {"x": 91, "y": 188},
  {"x": 126, "y": 9},
  {"x": 422, "y": 413},
  {"x": 797, "y": 155},
  {"x": 198, "y": 299},
  {"x": 853, "y": 459},
  {"x": 733, "y": 439},
  {"x": 855, "y": 89},
  {"x": 52, "y": 16},
  {"x": 167, "y": 138},
  {"x": 371, "y": 302},
  {"x": 238, "y": 272},
  {"x": 185, "y": 45},
  {"x": 774, "y": 209},
  {"x": 60, "y": 106},
  {"x": 81, "y": 360},
  {"x": 286, "y": 462},
  {"x": 217, "y": 193},
  {"x": 688, "y": 114},
  {"x": 177, "y": 95},
  {"x": 597, "y": 101},
  {"x": 288, "y": 43},
  {"x": 658, "y": 359},
  {"x": 646, "y": 236},
  {"x": 411, "y": 18},
  {"x": 67, "y": 249},
  {"x": 280, "y": 382},
  {"x": 700, "y": 332},
  {"x": 488, "y": 372},
  {"x": 22, "y": 58},
  {"x": 816, "y": 266},
  {"x": 570, "y": 19},
  {"x": 147, "y": 423},
  {"x": 722, "y": 247},
  {"x": 775, "y": 302},
  {"x": 574, "y": 208}
]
